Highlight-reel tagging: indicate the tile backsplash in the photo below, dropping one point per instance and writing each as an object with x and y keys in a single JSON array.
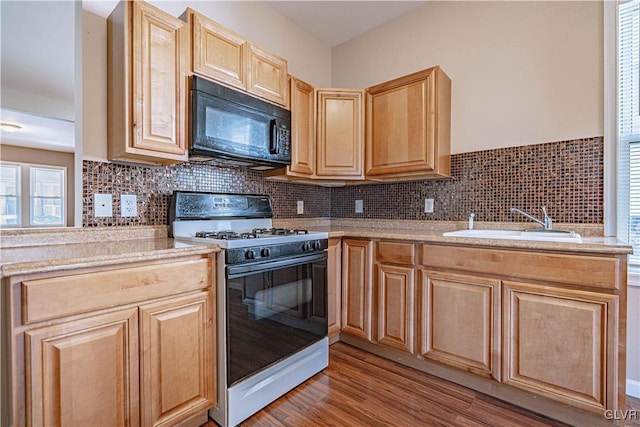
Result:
[
  {"x": 154, "y": 186},
  {"x": 566, "y": 176}
]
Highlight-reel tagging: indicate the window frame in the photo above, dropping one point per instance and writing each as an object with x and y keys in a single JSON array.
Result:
[{"x": 25, "y": 195}]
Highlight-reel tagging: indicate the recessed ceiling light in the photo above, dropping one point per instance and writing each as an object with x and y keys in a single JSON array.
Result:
[{"x": 9, "y": 127}]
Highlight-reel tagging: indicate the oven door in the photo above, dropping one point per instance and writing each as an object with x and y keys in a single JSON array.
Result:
[{"x": 274, "y": 309}]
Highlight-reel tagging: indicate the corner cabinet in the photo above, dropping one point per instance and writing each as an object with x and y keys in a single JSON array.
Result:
[
  {"x": 327, "y": 146},
  {"x": 146, "y": 85},
  {"x": 220, "y": 54},
  {"x": 110, "y": 344},
  {"x": 339, "y": 133},
  {"x": 408, "y": 127}
]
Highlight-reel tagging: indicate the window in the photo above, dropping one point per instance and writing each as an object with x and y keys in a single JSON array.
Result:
[
  {"x": 9, "y": 195},
  {"x": 629, "y": 122},
  {"x": 43, "y": 203}
]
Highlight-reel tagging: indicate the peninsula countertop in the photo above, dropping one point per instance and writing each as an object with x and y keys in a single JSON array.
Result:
[{"x": 41, "y": 251}]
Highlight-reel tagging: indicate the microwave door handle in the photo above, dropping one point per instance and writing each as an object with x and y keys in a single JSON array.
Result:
[{"x": 273, "y": 142}]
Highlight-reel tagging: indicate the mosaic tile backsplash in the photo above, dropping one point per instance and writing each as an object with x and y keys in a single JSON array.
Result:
[{"x": 566, "y": 176}]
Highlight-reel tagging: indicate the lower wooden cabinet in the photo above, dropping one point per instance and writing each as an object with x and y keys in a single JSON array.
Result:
[
  {"x": 177, "y": 363},
  {"x": 357, "y": 288},
  {"x": 145, "y": 361},
  {"x": 396, "y": 306},
  {"x": 561, "y": 343},
  {"x": 84, "y": 372},
  {"x": 460, "y": 321},
  {"x": 334, "y": 272}
]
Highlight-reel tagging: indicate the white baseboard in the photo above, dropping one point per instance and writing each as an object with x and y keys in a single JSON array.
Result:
[{"x": 633, "y": 388}]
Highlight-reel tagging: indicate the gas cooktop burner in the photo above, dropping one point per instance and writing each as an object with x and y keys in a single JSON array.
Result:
[{"x": 256, "y": 233}]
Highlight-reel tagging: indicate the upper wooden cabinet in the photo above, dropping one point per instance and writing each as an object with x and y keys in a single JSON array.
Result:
[
  {"x": 339, "y": 136},
  {"x": 221, "y": 54},
  {"x": 327, "y": 143},
  {"x": 146, "y": 85},
  {"x": 303, "y": 141},
  {"x": 408, "y": 127}
]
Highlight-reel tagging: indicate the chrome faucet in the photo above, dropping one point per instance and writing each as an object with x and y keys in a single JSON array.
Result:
[{"x": 547, "y": 224}]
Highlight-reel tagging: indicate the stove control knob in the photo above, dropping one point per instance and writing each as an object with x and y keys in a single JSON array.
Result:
[
  {"x": 306, "y": 246},
  {"x": 265, "y": 252},
  {"x": 317, "y": 245},
  {"x": 250, "y": 254}
]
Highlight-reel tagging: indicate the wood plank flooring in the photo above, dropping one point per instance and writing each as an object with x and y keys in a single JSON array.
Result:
[{"x": 362, "y": 389}]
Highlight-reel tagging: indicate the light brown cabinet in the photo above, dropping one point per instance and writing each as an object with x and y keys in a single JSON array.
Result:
[
  {"x": 178, "y": 375},
  {"x": 339, "y": 133},
  {"x": 395, "y": 295},
  {"x": 303, "y": 141},
  {"x": 84, "y": 372},
  {"x": 562, "y": 343},
  {"x": 146, "y": 85},
  {"x": 328, "y": 135},
  {"x": 357, "y": 288},
  {"x": 334, "y": 291},
  {"x": 107, "y": 346},
  {"x": 460, "y": 321},
  {"x": 408, "y": 127},
  {"x": 220, "y": 54}
]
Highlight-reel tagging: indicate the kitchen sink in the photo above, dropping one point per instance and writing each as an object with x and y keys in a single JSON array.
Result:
[{"x": 537, "y": 235}]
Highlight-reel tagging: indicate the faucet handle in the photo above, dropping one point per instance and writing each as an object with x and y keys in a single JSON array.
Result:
[{"x": 548, "y": 222}]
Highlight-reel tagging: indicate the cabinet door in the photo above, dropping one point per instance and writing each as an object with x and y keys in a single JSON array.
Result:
[
  {"x": 303, "y": 142},
  {"x": 357, "y": 292},
  {"x": 267, "y": 76},
  {"x": 408, "y": 126},
  {"x": 396, "y": 306},
  {"x": 460, "y": 321},
  {"x": 84, "y": 372},
  {"x": 159, "y": 83},
  {"x": 561, "y": 343},
  {"x": 339, "y": 133},
  {"x": 334, "y": 267},
  {"x": 177, "y": 359},
  {"x": 218, "y": 53}
]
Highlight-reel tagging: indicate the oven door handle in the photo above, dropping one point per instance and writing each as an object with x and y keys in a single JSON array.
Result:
[{"x": 243, "y": 270}]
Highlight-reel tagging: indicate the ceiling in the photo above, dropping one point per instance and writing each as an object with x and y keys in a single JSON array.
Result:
[
  {"x": 335, "y": 22},
  {"x": 332, "y": 22}
]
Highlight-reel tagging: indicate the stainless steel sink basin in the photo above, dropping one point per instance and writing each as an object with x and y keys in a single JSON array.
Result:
[{"x": 544, "y": 236}]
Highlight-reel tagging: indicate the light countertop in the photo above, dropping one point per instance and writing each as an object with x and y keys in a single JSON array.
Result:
[
  {"x": 46, "y": 250},
  {"x": 89, "y": 247}
]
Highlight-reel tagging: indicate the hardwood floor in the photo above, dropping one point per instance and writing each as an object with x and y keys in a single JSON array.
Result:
[{"x": 361, "y": 389}]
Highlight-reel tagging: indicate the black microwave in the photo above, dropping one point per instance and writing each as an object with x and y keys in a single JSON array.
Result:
[{"x": 242, "y": 130}]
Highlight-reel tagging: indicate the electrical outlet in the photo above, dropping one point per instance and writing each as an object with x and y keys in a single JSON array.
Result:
[
  {"x": 428, "y": 205},
  {"x": 300, "y": 207},
  {"x": 128, "y": 205},
  {"x": 358, "y": 206},
  {"x": 102, "y": 206}
]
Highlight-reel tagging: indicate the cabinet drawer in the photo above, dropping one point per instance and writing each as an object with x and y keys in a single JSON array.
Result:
[
  {"x": 581, "y": 270},
  {"x": 60, "y": 296},
  {"x": 396, "y": 252}
]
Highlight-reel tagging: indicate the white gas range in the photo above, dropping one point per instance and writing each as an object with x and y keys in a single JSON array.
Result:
[{"x": 271, "y": 298}]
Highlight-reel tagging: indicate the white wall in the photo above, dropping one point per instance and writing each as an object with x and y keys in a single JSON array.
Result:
[
  {"x": 307, "y": 57},
  {"x": 522, "y": 72}
]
